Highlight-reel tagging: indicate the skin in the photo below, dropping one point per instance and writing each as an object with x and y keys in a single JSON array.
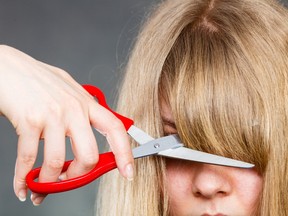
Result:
[
  {"x": 44, "y": 102},
  {"x": 208, "y": 190}
]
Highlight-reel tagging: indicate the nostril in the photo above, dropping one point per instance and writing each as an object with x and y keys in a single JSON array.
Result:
[
  {"x": 222, "y": 193},
  {"x": 199, "y": 194}
]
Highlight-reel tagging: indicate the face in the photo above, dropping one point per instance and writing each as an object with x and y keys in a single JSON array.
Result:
[{"x": 201, "y": 189}]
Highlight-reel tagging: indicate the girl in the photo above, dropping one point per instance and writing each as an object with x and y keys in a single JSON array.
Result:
[{"x": 214, "y": 72}]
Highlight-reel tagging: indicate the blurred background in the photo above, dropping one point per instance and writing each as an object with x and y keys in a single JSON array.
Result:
[{"x": 90, "y": 39}]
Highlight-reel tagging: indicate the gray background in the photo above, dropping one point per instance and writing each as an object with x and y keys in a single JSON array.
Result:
[{"x": 90, "y": 39}]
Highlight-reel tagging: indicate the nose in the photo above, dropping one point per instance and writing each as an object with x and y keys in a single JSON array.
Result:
[{"x": 211, "y": 181}]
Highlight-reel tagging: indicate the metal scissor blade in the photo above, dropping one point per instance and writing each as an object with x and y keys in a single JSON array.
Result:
[
  {"x": 139, "y": 135},
  {"x": 203, "y": 157},
  {"x": 156, "y": 145}
]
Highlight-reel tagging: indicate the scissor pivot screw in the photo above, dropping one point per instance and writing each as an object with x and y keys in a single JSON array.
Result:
[{"x": 157, "y": 145}]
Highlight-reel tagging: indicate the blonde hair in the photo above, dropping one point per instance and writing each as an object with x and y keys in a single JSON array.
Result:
[{"x": 222, "y": 66}]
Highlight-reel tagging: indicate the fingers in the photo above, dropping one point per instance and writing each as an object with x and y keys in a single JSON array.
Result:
[
  {"x": 26, "y": 156},
  {"x": 72, "y": 119},
  {"x": 54, "y": 156},
  {"x": 54, "y": 153},
  {"x": 84, "y": 148},
  {"x": 111, "y": 127}
]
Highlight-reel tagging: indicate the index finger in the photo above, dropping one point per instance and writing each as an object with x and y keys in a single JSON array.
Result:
[{"x": 110, "y": 126}]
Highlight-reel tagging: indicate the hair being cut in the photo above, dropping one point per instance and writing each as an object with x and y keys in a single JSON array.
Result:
[{"x": 222, "y": 67}]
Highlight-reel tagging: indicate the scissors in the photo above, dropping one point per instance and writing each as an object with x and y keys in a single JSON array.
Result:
[{"x": 167, "y": 146}]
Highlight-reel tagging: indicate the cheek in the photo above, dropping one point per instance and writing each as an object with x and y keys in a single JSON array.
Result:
[
  {"x": 179, "y": 186},
  {"x": 248, "y": 186},
  {"x": 177, "y": 181}
]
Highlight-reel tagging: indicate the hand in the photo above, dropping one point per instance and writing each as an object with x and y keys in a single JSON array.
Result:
[{"x": 44, "y": 102}]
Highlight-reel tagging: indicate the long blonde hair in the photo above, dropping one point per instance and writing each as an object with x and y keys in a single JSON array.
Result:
[{"x": 222, "y": 66}]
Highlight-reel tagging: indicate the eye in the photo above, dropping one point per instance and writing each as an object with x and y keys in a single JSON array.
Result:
[
  {"x": 169, "y": 126},
  {"x": 168, "y": 129}
]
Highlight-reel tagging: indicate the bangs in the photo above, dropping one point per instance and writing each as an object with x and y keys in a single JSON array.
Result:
[{"x": 216, "y": 98}]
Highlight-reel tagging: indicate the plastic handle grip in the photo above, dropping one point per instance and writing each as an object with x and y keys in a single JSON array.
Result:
[
  {"x": 105, "y": 164},
  {"x": 96, "y": 92}
]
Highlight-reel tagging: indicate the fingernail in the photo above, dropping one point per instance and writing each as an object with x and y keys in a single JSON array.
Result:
[
  {"x": 37, "y": 201},
  {"x": 62, "y": 177},
  {"x": 22, "y": 195},
  {"x": 129, "y": 172},
  {"x": 32, "y": 196}
]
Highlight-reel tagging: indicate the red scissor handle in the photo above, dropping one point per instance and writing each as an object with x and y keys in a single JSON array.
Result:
[
  {"x": 105, "y": 164},
  {"x": 96, "y": 92}
]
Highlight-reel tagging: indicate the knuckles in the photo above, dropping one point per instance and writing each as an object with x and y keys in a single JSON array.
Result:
[
  {"x": 89, "y": 161},
  {"x": 76, "y": 105},
  {"x": 117, "y": 125},
  {"x": 27, "y": 159},
  {"x": 54, "y": 111},
  {"x": 55, "y": 164}
]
